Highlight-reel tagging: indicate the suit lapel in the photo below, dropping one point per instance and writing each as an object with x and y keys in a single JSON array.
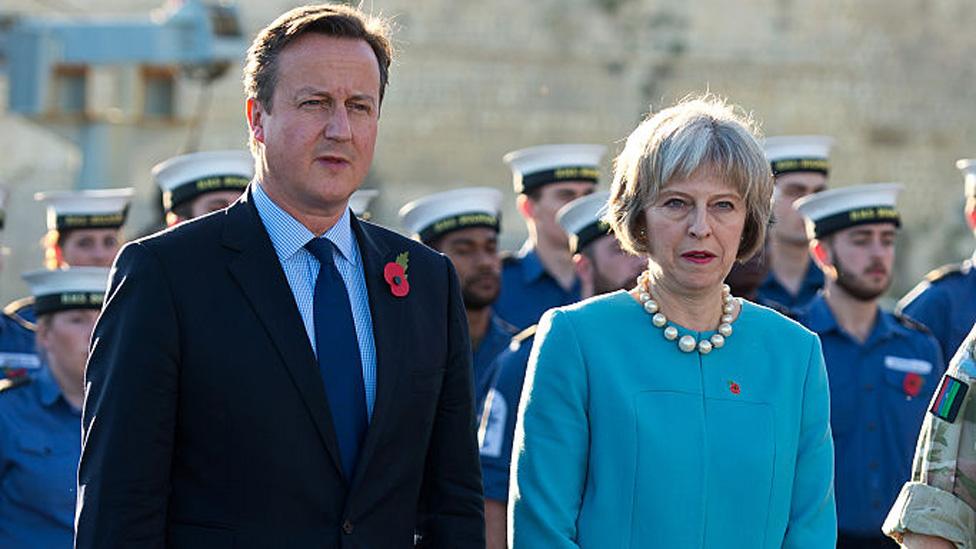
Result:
[
  {"x": 386, "y": 311},
  {"x": 262, "y": 280}
]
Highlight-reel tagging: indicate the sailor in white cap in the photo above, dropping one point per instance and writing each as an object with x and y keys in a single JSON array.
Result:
[
  {"x": 360, "y": 200},
  {"x": 198, "y": 183},
  {"x": 946, "y": 300},
  {"x": 40, "y": 439},
  {"x": 602, "y": 267},
  {"x": 84, "y": 227},
  {"x": 541, "y": 275},
  {"x": 800, "y": 165},
  {"x": 882, "y": 367},
  {"x": 463, "y": 224}
]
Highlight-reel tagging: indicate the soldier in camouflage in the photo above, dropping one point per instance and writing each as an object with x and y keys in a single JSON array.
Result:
[{"x": 935, "y": 508}]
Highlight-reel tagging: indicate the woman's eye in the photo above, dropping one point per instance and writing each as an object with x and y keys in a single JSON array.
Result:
[
  {"x": 725, "y": 205},
  {"x": 674, "y": 203}
]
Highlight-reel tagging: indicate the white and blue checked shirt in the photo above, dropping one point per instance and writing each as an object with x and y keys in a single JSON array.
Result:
[{"x": 289, "y": 236}]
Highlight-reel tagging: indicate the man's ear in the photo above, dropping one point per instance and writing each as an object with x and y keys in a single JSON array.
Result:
[
  {"x": 584, "y": 270},
  {"x": 820, "y": 254},
  {"x": 525, "y": 206},
  {"x": 255, "y": 118}
]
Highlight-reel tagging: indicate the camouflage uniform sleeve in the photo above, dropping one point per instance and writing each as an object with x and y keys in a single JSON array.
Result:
[{"x": 941, "y": 495}]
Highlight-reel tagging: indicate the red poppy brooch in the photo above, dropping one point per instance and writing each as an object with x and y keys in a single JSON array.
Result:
[
  {"x": 734, "y": 388},
  {"x": 395, "y": 274},
  {"x": 912, "y": 384}
]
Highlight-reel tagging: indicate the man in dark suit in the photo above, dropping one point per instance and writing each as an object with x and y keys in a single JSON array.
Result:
[{"x": 279, "y": 373}]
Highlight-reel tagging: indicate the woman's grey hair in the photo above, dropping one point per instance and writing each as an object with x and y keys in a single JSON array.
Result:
[{"x": 700, "y": 132}]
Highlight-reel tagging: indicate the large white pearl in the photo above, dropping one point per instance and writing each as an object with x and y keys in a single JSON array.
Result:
[
  {"x": 670, "y": 333},
  {"x": 659, "y": 319},
  {"x": 704, "y": 347},
  {"x": 650, "y": 306},
  {"x": 726, "y": 290},
  {"x": 686, "y": 343},
  {"x": 644, "y": 296},
  {"x": 725, "y": 329},
  {"x": 726, "y": 319},
  {"x": 728, "y": 308},
  {"x": 717, "y": 341}
]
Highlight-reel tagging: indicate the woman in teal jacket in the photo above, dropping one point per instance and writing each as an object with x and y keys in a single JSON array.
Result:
[{"x": 676, "y": 415}]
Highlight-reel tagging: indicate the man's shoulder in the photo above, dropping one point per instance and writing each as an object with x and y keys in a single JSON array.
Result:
[{"x": 398, "y": 244}]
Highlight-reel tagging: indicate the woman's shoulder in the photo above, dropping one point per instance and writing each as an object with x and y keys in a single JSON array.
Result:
[
  {"x": 766, "y": 320},
  {"x": 596, "y": 307}
]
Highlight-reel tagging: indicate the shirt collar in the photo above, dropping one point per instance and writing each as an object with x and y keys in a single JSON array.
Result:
[
  {"x": 288, "y": 235},
  {"x": 814, "y": 277},
  {"x": 49, "y": 390},
  {"x": 820, "y": 319},
  {"x": 532, "y": 268}
]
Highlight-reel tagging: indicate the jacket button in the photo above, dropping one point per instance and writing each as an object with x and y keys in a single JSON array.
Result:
[{"x": 347, "y": 527}]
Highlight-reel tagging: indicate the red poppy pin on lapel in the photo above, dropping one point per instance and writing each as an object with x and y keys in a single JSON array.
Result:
[
  {"x": 395, "y": 274},
  {"x": 912, "y": 384},
  {"x": 734, "y": 387}
]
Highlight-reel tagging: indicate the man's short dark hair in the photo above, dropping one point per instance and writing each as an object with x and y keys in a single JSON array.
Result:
[{"x": 261, "y": 66}]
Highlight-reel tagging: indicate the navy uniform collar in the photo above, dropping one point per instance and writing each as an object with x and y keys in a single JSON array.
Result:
[
  {"x": 532, "y": 268},
  {"x": 47, "y": 387},
  {"x": 821, "y": 320}
]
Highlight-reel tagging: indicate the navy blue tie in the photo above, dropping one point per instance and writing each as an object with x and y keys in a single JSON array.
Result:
[{"x": 337, "y": 348}]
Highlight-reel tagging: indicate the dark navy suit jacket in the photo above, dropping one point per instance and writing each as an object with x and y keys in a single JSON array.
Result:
[{"x": 206, "y": 422}]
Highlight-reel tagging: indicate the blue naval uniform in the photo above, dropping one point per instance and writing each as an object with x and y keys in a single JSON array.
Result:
[
  {"x": 500, "y": 409},
  {"x": 17, "y": 353},
  {"x": 945, "y": 302},
  {"x": 40, "y": 444},
  {"x": 772, "y": 291},
  {"x": 874, "y": 417},
  {"x": 496, "y": 340},
  {"x": 528, "y": 290}
]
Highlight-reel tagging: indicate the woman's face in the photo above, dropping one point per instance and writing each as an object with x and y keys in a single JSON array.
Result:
[
  {"x": 64, "y": 337},
  {"x": 89, "y": 247},
  {"x": 694, "y": 228}
]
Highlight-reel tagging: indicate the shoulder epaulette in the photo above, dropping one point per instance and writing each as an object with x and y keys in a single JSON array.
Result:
[
  {"x": 519, "y": 338},
  {"x": 911, "y": 323},
  {"x": 8, "y": 383},
  {"x": 944, "y": 271},
  {"x": 509, "y": 328},
  {"x": 12, "y": 310}
]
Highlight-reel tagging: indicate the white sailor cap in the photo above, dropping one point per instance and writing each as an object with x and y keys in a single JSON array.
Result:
[
  {"x": 435, "y": 215},
  {"x": 798, "y": 153},
  {"x": 835, "y": 209},
  {"x": 71, "y": 288},
  {"x": 968, "y": 168},
  {"x": 359, "y": 201},
  {"x": 185, "y": 177},
  {"x": 537, "y": 166},
  {"x": 3, "y": 206},
  {"x": 91, "y": 209},
  {"x": 582, "y": 219}
]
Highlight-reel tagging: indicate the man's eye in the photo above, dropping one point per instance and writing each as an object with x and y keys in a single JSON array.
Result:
[{"x": 311, "y": 103}]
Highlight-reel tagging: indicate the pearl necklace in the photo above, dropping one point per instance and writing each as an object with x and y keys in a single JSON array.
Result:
[{"x": 687, "y": 343}]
